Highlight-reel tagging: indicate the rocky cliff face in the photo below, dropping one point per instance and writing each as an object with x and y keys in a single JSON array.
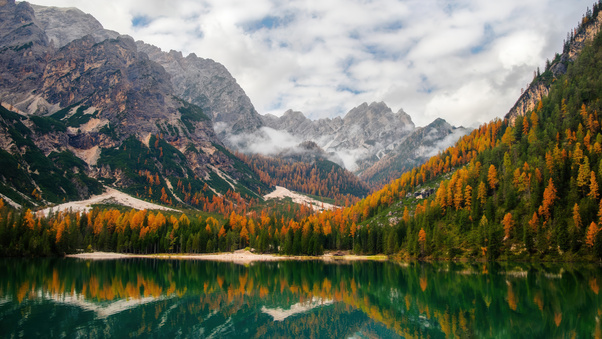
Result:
[
  {"x": 359, "y": 138},
  {"x": 92, "y": 95},
  {"x": 370, "y": 140},
  {"x": 540, "y": 86},
  {"x": 414, "y": 150},
  {"x": 63, "y": 25},
  {"x": 202, "y": 82},
  {"x": 209, "y": 85}
]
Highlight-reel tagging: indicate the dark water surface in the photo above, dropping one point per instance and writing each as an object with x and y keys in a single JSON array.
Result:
[{"x": 311, "y": 299}]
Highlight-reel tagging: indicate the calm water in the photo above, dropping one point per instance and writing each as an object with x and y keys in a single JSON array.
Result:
[{"x": 159, "y": 298}]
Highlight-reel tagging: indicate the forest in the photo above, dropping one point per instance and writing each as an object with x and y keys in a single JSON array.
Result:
[
  {"x": 522, "y": 188},
  {"x": 321, "y": 177}
]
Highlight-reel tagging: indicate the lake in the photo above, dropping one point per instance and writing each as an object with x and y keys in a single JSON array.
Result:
[{"x": 297, "y": 299}]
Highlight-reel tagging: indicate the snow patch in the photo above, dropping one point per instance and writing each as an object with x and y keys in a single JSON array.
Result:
[
  {"x": 90, "y": 110},
  {"x": 209, "y": 150},
  {"x": 93, "y": 124}
]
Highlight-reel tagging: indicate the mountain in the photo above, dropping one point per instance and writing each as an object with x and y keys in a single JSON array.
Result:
[
  {"x": 314, "y": 175},
  {"x": 209, "y": 85},
  {"x": 106, "y": 103},
  {"x": 202, "y": 82},
  {"x": 357, "y": 141},
  {"x": 371, "y": 140},
  {"x": 540, "y": 86},
  {"x": 63, "y": 25},
  {"x": 522, "y": 188},
  {"x": 360, "y": 137},
  {"x": 414, "y": 150}
]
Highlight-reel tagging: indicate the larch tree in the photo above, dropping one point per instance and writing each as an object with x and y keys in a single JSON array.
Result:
[
  {"x": 593, "y": 187},
  {"x": 492, "y": 177},
  {"x": 534, "y": 222},
  {"x": 576, "y": 216},
  {"x": 482, "y": 193},
  {"x": 468, "y": 197},
  {"x": 592, "y": 231},
  {"x": 422, "y": 239},
  {"x": 549, "y": 195},
  {"x": 508, "y": 223}
]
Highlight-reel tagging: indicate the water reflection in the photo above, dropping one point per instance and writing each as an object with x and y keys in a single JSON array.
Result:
[{"x": 296, "y": 299}]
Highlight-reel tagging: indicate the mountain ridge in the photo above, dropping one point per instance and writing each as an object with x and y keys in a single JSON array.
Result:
[
  {"x": 99, "y": 100},
  {"x": 366, "y": 136}
]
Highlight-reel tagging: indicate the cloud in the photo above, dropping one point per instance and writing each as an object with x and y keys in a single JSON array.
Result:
[
  {"x": 462, "y": 60},
  {"x": 267, "y": 141},
  {"x": 443, "y": 144}
]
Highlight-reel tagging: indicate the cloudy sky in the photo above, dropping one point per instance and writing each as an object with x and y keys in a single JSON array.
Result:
[{"x": 464, "y": 60}]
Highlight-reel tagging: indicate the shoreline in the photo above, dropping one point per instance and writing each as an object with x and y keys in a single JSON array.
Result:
[{"x": 237, "y": 257}]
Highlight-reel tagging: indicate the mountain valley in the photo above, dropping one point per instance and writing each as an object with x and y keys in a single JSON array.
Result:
[{"x": 86, "y": 110}]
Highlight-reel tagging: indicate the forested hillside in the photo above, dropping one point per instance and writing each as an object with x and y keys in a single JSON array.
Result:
[
  {"x": 521, "y": 188},
  {"x": 321, "y": 177}
]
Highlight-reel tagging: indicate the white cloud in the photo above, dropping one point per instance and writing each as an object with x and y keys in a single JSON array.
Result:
[
  {"x": 266, "y": 141},
  {"x": 464, "y": 60}
]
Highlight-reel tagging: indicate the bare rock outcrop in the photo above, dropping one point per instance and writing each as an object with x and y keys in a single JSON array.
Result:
[{"x": 540, "y": 87}]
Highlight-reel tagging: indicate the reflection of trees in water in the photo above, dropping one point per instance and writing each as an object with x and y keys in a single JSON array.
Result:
[{"x": 419, "y": 299}]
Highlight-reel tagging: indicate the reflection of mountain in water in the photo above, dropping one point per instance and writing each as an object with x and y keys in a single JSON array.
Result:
[
  {"x": 104, "y": 309},
  {"x": 280, "y": 314},
  {"x": 295, "y": 299}
]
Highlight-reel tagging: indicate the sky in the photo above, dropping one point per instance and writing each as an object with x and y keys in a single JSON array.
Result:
[{"x": 465, "y": 61}]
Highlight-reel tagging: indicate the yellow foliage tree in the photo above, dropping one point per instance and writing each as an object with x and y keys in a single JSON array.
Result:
[
  {"x": 592, "y": 231},
  {"x": 593, "y": 187},
  {"x": 508, "y": 223},
  {"x": 576, "y": 216},
  {"x": 422, "y": 239},
  {"x": 549, "y": 195},
  {"x": 482, "y": 193},
  {"x": 492, "y": 178}
]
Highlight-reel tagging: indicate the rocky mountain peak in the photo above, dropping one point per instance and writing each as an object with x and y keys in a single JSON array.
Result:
[
  {"x": 202, "y": 82},
  {"x": 291, "y": 117},
  {"x": 365, "y": 110},
  {"x": 364, "y": 132},
  {"x": 209, "y": 85},
  {"x": 63, "y": 25},
  {"x": 378, "y": 115},
  {"x": 98, "y": 100},
  {"x": 440, "y": 123},
  {"x": 290, "y": 114}
]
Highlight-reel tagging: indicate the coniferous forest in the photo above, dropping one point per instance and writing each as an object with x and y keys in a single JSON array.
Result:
[{"x": 523, "y": 188}]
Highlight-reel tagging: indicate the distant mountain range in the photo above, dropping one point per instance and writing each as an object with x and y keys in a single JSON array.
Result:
[{"x": 371, "y": 140}]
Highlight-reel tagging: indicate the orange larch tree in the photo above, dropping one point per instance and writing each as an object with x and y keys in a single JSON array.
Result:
[{"x": 492, "y": 178}]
